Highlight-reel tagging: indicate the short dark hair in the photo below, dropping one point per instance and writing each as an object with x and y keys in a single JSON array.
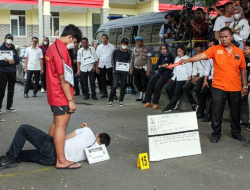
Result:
[
  {"x": 104, "y": 138},
  {"x": 198, "y": 44},
  {"x": 199, "y": 9},
  {"x": 226, "y": 29},
  {"x": 215, "y": 41},
  {"x": 84, "y": 38},
  {"x": 226, "y": 5},
  {"x": 71, "y": 29},
  {"x": 182, "y": 47},
  {"x": 105, "y": 35},
  {"x": 35, "y": 38}
]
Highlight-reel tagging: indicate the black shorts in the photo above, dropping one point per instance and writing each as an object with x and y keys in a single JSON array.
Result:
[{"x": 60, "y": 110}]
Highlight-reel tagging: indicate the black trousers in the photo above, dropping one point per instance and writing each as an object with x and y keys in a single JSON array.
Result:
[
  {"x": 174, "y": 90},
  {"x": 154, "y": 86},
  {"x": 244, "y": 113},
  {"x": 205, "y": 92},
  {"x": 189, "y": 86},
  {"x": 103, "y": 72},
  {"x": 44, "y": 152},
  {"x": 36, "y": 74},
  {"x": 219, "y": 99},
  {"x": 87, "y": 77},
  {"x": 116, "y": 78},
  {"x": 141, "y": 79},
  {"x": 10, "y": 79},
  {"x": 43, "y": 77}
]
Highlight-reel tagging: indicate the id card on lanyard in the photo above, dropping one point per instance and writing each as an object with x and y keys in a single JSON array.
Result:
[{"x": 68, "y": 72}]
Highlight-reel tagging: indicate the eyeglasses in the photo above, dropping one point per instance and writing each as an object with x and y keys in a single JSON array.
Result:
[{"x": 35, "y": 41}]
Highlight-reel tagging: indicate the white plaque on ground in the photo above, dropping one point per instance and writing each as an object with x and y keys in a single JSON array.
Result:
[
  {"x": 173, "y": 135},
  {"x": 97, "y": 154}
]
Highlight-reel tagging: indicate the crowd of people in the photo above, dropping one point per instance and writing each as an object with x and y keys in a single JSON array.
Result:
[{"x": 219, "y": 72}]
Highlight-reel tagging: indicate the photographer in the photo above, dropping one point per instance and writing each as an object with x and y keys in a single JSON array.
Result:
[{"x": 168, "y": 32}]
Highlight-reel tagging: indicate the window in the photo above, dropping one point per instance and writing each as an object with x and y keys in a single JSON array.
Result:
[
  {"x": 145, "y": 32},
  {"x": 127, "y": 33},
  {"x": 155, "y": 33},
  {"x": 96, "y": 22},
  {"x": 98, "y": 36},
  {"x": 119, "y": 36},
  {"x": 134, "y": 34},
  {"x": 54, "y": 24},
  {"x": 113, "y": 36},
  {"x": 18, "y": 23}
]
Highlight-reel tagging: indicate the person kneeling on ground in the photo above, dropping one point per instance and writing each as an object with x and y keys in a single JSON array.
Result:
[
  {"x": 155, "y": 85},
  {"x": 44, "y": 152}
]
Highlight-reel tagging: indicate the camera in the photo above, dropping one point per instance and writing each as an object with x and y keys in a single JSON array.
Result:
[{"x": 189, "y": 5}]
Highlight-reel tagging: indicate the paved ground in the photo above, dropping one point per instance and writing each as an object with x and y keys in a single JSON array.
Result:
[{"x": 221, "y": 166}]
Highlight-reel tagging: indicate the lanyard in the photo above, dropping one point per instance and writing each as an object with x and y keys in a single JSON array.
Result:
[
  {"x": 89, "y": 50},
  {"x": 59, "y": 53},
  {"x": 91, "y": 145}
]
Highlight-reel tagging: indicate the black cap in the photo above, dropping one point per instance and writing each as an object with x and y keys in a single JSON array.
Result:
[
  {"x": 169, "y": 14},
  {"x": 9, "y": 36},
  {"x": 124, "y": 41},
  {"x": 104, "y": 139}
]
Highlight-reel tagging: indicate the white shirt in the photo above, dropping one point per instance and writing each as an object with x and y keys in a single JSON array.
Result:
[
  {"x": 244, "y": 29},
  {"x": 222, "y": 22},
  {"x": 75, "y": 146},
  {"x": 34, "y": 55},
  {"x": 104, "y": 54},
  {"x": 209, "y": 68},
  {"x": 199, "y": 67},
  {"x": 182, "y": 72},
  {"x": 85, "y": 57}
]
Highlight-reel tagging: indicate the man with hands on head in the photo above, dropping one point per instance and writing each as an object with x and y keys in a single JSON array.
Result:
[
  {"x": 229, "y": 69},
  {"x": 8, "y": 73}
]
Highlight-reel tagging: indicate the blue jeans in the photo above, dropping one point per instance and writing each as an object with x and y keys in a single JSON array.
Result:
[{"x": 44, "y": 153}]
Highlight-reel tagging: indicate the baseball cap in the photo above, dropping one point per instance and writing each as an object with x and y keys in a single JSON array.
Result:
[{"x": 169, "y": 14}]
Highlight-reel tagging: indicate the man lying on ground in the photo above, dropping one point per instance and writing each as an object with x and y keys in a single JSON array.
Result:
[{"x": 44, "y": 152}]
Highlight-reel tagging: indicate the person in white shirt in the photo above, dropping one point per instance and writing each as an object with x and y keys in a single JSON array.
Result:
[
  {"x": 206, "y": 87},
  {"x": 195, "y": 84},
  {"x": 240, "y": 27},
  {"x": 104, "y": 53},
  {"x": 33, "y": 66},
  {"x": 86, "y": 65},
  {"x": 223, "y": 21},
  {"x": 181, "y": 74},
  {"x": 44, "y": 152}
]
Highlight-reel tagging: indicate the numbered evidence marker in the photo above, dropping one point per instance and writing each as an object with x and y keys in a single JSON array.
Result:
[
  {"x": 97, "y": 154},
  {"x": 143, "y": 162}
]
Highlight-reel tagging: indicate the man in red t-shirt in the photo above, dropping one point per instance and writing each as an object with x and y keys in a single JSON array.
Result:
[{"x": 59, "y": 92}]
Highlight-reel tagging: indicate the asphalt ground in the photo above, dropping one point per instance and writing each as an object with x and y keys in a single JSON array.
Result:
[{"x": 224, "y": 165}]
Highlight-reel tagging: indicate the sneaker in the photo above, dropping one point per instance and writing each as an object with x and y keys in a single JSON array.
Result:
[
  {"x": 195, "y": 108},
  {"x": 121, "y": 104},
  {"x": 11, "y": 109},
  {"x": 110, "y": 104},
  {"x": 165, "y": 110},
  {"x": 1, "y": 112},
  {"x": 6, "y": 163},
  {"x": 42, "y": 90},
  {"x": 176, "y": 105},
  {"x": 229, "y": 124},
  {"x": 248, "y": 127}
]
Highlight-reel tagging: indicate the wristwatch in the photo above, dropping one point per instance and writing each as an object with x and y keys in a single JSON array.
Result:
[{"x": 246, "y": 87}]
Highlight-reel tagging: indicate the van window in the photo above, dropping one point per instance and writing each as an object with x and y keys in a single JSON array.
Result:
[
  {"x": 98, "y": 36},
  {"x": 113, "y": 36},
  {"x": 145, "y": 33},
  {"x": 127, "y": 33},
  {"x": 119, "y": 36},
  {"x": 134, "y": 34},
  {"x": 155, "y": 33}
]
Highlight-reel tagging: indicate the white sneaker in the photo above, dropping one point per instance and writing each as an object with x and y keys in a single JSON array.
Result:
[
  {"x": 121, "y": 104},
  {"x": 176, "y": 105},
  {"x": 1, "y": 112},
  {"x": 110, "y": 104},
  {"x": 11, "y": 109},
  {"x": 42, "y": 90}
]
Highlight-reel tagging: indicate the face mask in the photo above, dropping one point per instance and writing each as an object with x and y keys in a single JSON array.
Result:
[
  {"x": 9, "y": 41},
  {"x": 70, "y": 46},
  {"x": 45, "y": 43},
  {"x": 124, "y": 47},
  {"x": 237, "y": 16}
]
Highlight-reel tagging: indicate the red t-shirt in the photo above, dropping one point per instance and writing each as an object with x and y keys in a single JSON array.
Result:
[{"x": 54, "y": 67}]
